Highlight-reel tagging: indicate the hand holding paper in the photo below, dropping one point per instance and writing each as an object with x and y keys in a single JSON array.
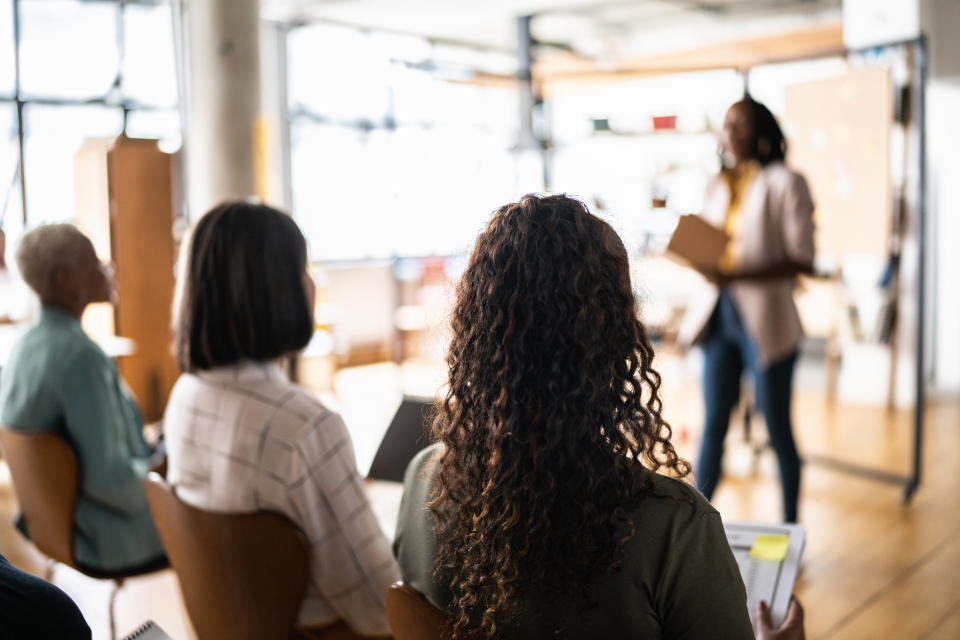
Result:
[{"x": 791, "y": 629}]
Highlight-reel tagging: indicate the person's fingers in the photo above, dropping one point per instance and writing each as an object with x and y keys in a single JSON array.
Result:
[
  {"x": 763, "y": 615},
  {"x": 764, "y": 609},
  {"x": 758, "y": 622},
  {"x": 794, "y": 614},
  {"x": 794, "y": 620},
  {"x": 762, "y": 627},
  {"x": 795, "y": 610}
]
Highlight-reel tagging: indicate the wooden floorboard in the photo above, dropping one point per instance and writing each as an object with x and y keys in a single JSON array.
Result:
[
  {"x": 947, "y": 627},
  {"x": 866, "y": 551},
  {"x": 914, "y": 601},
  {"x": 873, "y": 567}
]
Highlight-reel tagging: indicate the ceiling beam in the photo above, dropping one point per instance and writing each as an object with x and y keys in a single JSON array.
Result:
[{"x": 740, "y": 54}]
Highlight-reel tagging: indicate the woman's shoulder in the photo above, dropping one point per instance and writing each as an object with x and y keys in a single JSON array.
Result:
[
  {"x": 779, "y": 175},
  {"x": 421, "y": 469},
  {"x": 672, "y": 499},
  {"x": 36, "y": 608},
  {"x": 671, "y": 519},
  {"x": 255, "y": 388},
  {"x": 717, "y": 182},
  {"x": 303, "y": 402}
]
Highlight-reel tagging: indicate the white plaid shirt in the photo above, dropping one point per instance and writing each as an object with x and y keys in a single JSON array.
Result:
[{"x": 244, "y": 438}]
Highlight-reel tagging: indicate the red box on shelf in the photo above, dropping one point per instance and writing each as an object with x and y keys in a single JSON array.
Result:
[{"x": 663, "y": 123}]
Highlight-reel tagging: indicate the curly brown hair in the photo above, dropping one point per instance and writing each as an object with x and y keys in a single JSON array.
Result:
[{"x": 552, "y": 402}]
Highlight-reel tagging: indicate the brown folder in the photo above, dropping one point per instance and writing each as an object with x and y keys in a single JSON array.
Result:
[{"x": 697, "y": 242}]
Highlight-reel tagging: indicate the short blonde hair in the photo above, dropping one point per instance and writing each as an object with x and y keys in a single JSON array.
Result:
[{"x": 44, "y": 250}]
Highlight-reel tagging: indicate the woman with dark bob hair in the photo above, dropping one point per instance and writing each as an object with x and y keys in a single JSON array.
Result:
[
  {"x": 541, "y": 512},
  {"x": 241, "y": 437}
]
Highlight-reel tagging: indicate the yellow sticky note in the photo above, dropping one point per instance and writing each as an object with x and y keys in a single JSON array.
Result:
[{"x": 770, "y": 547}]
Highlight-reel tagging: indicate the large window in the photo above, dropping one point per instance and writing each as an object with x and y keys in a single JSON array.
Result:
[
  {"x": 85, "y": 31},
  {"x": 7, "y": 68},
  {"x": 85, "y": 69},
  {"x": 394, "y": 153},
  {"x": 9, "y": 177}
]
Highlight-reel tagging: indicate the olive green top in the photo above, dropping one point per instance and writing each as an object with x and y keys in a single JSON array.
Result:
[{"x": 678, "y": 579}]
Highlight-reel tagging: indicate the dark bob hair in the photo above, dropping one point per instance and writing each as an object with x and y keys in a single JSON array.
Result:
[
  {"x": 240, "y": 294},
  {"x": 769, "y": 145}
]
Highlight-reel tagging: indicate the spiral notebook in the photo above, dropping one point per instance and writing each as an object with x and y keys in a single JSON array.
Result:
[{"x": 149, "y": 630}]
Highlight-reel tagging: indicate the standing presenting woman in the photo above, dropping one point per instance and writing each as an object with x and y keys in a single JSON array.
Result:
[{"x": 751, "y": 322}]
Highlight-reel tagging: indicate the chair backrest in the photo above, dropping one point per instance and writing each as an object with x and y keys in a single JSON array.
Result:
[
  {"x": 44, "y": 471},
  {"x": 412, "y": 617},
  {"x": 243, "y": 575}
]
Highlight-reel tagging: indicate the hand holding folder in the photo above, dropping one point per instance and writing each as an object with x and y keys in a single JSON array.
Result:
[{"x": 698, "y": 243}]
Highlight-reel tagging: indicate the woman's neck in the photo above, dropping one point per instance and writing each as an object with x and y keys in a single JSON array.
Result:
[
  {"x": 73, "y": 308},
  {"x": 741, "y": 166}
]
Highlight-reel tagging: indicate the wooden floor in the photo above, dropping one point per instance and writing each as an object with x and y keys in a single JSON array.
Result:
[{"x": 873, "y": 567}]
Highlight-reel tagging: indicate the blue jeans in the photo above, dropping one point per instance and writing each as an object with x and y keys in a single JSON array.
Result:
[{"x": 727, "y": 351}]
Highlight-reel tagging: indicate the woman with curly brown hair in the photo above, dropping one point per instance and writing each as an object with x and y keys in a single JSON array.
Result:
[{"x": 540, "y": 513}]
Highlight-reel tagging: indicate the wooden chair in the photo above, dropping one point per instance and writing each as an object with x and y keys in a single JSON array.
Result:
[
  {"x": 243, "y": 575},
  {"x": 46, "y": 480},
  {"x": 412, "y": 617}
]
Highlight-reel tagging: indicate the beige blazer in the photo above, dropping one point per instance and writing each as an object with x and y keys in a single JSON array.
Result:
[{"x": 776, "y": 225}]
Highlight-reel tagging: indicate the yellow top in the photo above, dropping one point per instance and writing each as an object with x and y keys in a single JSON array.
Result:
[{"x": 739, "y": 184}]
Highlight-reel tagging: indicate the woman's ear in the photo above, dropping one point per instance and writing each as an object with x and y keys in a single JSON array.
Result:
[
  {"x": 763, "y": 146},
  {"x": 62, "y": 280}
]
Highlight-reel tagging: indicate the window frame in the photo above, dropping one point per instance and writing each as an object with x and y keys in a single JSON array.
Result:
[{"x": 114, "y": 97}]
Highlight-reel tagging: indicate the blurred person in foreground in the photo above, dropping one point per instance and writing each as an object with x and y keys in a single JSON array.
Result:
[
  {"x": 57, "y": 379},
  {"x": 34, "y": 608},
  {"x": 541, "y": 512},
  {"x": 241, "y": 437},
  {"x": 749, "y": 320}
]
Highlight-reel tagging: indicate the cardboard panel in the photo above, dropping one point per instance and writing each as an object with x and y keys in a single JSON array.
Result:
[
  {"x": 141, "y": 237},
  {"x": 839, "y": 135}
]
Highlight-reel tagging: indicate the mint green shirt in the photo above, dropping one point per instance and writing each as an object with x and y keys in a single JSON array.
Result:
[
  {"x": 678, "y": 580},
  {"x": 57, "y": 379}
]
